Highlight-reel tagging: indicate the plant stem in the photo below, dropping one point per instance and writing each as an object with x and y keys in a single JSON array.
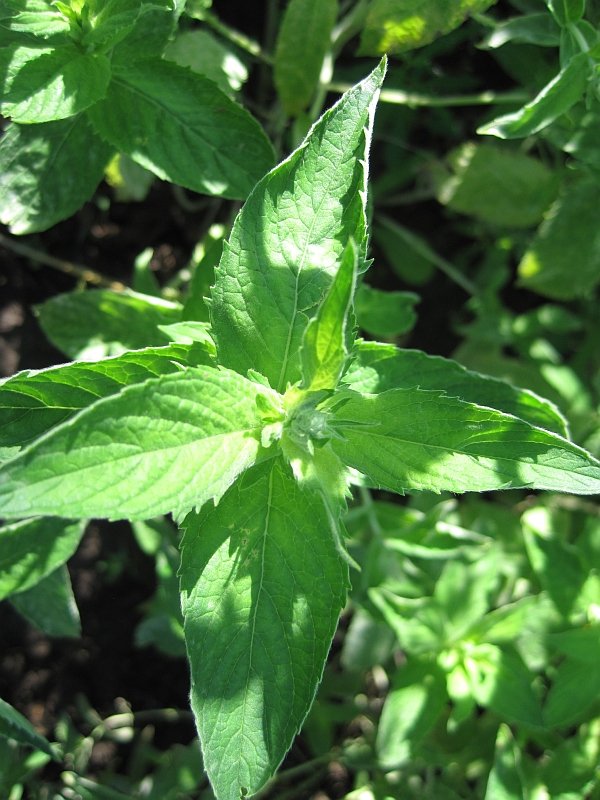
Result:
[
  {"x": 412, "y": 99},
  {"x": 241, "y": 40},
  {"x": 423, "y": 249},
  {"x": 77, "y": 270}
]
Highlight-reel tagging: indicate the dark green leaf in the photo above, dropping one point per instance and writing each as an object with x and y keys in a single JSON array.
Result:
[
  {"x": 48, "y": 171},
  {"x": 168, "y": 444},
  {"x": 33, "y": 402},
  {"x": 167, "y": 118},
  {"x": 32, "y": 549},
  {"x": 36, "y": 17},
  {"x": 540, "y": 29},
  {"x": 554, "y": 99},
  {"x": 380, "y": 367},
  {"x": 14, "y": 726},
  {"x": 149, "y": 37},
  {"x": 410, "y": 438},
  {"x": 101, "y": 322},
  {"x": 262, "y": 588},
  {"x": 50, "y": 605},
  {"x": 288, "y": 239},
  {"x": 304, "y": 40},
  {"x": 385, "y": 313},
  {"x": 573, "y": 691}
]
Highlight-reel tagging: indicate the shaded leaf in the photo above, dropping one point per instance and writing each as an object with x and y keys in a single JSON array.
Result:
[
  {"x": 204, "y": 53},
  {"x": 505, "y": 779},
  {"x": 385, "y": 313},
  {"x": 14, "y": 726},
  {"x": 50, "y": 605},
  {"x": 540, "y": 29}
]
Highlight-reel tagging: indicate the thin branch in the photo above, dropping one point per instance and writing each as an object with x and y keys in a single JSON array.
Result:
[
  {"x": 76, "y": 270},
  {"x": 423, "y": 249},
  {"x": 241, "y": 40},
  {"x": 412, "y": 99}
]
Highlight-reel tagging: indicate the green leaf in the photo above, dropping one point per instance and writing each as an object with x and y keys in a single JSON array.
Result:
[
  {"x": 204, "y": 53},
  {"x": 555, "y": 98},
  {"x": 14, "y": 726},
  {"x": 112, "y": 20},
  {"x": 569, "y": 236},
  {"x": 566, "y": 11},
  {"x": 195, "y": 307},
  {"x": 415, "y": 439},
  {"x": 288, "y": 238},
  {"x": 48, "y": 171},
  {"x": 367, "y": 642},
  {"x": 505, "y": 781},
  {"x": 181, "y": 127},
  {"x": 35, "y": 17},
  {"x": 50, "y": 605},
  {"x": 540, "y": 29},
  {"x": 463, "y": 591},
  {"x": 149, "y": 37},
  {"x": 394, "y": 26},
  {"x": 101, "y": 322},
  {"x": 169, "y": 444},
  {"x": 323, "y": 350},
  {"x": 558, "y": 565},
  {"x": 42, "y": 84},
  {"x": 380, "y": 367},
  {"x": 32, "y": 549},
  {"x": 303, "y": 42},
  {"x": 581, "y": 644},
  {"x": 499, "y": 680},
  {"x": 416, "y": 622},
  {"x": 416, "y": 700},
  {"x": 573, "y": 764},
  {"x": 32, "y": 402},
  {"x": 411, "y": 266},
  {"x": 385, "y": 313},
  {"x": 262, "y": 587},
  {"x": 575, "y": 688},
  {"x": 498, "y": 186}
]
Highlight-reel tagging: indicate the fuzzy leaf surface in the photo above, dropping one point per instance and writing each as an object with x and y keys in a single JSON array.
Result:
[
  {"x": 46, "y": 84},
  {"x": 98, "y": 323},
  {"x": 324, "y": 343},
  {"x": 379, "y": 367},
  {"x": 288, "y": 239},
  {"x": 416, "y": 439},
  {"x": 183, "y": 128},
  {"x": 303, "y": 41},
  {"x": 169, "y": 444},
  {"x": 50, "y": 605},
  {"x": 30, "y": 550},
  {"x": 48, "y": 171},
  {"x": 262, "y": 587},
  {"x": 32, "y": 402}
]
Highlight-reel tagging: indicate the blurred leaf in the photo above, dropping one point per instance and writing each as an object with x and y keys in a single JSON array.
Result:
[
  {"x": 581, "y": 644},
  {"x": 91, "y": 325},
  {"x": 385, "y": 313},
  {"x": 303, "y": 41},
  {"x": 540, "y": 29},
  {"x": 462, "y": 592},
  {"x": 414, "y": 703},
  {"x": 501, "y": 681},
  {"x": 204, "y": 53},
  {"x": 573, "y": 763},
  {"x": 32, "y": 549},
  {"x": 506, "y": 780},
  {"x": 563, "y": 261},
  {"x": 128, "y": 179},
  {"x": 557, "y": 564},
  {"x": 203, "y": 277},
  {"x": 566, "y": 11},
  {"x": 367, "y": 642},
  {"x": 48, "y": 171},
  {"x": 394, "y": 26},
  {"x": 497, "y": 186},
  {"x": 583, "y": 141},
  {"x": 14, "y": 726},
  {"x": 144, "y": 280},
  {"x": 554, "y": 99},
  {"x": 573, "y": 691},
  {"x": 416, "y": 622},
  {"x": 404, "y": 260},
  {"x": 50, "y": 605}
]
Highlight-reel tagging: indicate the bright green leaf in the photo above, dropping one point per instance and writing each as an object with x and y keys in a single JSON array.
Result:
[
  {"x": 304, "y": 40},
  {"x": 463, "y": 591},
  {"x": 573, "y": 691},
  {"x": 169, "y": 444},
  {"x": 573, "y": 764},
  {"x": 288, "y": 239},
  {"x": 36, "y": 17},
  {"x": 91, "y": 325},
  {"x": 32, "y": 549},
  {"x": 385, "y": 313},
  {"x": 563, "y": 260},
  {"x": 394, "y": 26},
  {"x": 46, "y": 84},
  {"x": 505, "y": 780},
  {"x": 204, "y": 53},
  {"x": 48, "y": 171},
  {"x": 380, "y": 367},
  {"x": 190, "y": 122},
  {"x": 50, "y": 605},
  {"x": 262, "y": 588},
  {"x": 323, "y": 350},
  {"x": 580, "y": 644},
  {"x": 410, "y": 438},
  {"x": 32, "y": 402},
  {"x": 498, "y": 186},
  {"x": 14, "y": 726},
  {"x": 555, "y": 98}
]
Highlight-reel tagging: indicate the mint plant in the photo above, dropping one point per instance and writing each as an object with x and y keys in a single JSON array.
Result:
[{"x": 253, "y": 438}]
